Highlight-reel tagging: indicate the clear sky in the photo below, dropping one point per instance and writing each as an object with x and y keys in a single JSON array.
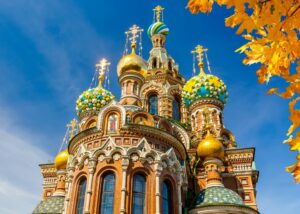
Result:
[{"x": 48, "y": 50}]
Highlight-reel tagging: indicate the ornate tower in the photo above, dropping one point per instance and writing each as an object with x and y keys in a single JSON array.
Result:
[
  {"x": 131, "y": 70},
  {"x": 163, "y": 83},
  {"x": 220, "y": 179}
]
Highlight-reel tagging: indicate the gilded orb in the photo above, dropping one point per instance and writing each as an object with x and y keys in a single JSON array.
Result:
[
  {"x": 61, "y": 160},
  {"x": 133, "y": 63},
  {"x": 210, "y": 147}
]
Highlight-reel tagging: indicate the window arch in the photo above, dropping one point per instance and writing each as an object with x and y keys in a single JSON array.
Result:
[
  {"x": 138, "y": 194},
  {"x": 107, "y": 194},
  {"x": 153, "y": 104},
  {"x": 176, "y": 109},
  {"x": 80, "y": 196},
  {"x": 166, "y": 198},
  {"x": 154, "y": 63}
]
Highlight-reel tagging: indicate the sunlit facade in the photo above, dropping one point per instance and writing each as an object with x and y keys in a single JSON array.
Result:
[{"x": 161, "y": 149}]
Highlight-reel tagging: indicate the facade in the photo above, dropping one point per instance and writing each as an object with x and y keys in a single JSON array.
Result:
[{"x": 162, "y": 148}]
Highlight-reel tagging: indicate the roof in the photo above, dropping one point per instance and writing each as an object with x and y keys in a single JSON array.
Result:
[{"x": 53, "y": 205}]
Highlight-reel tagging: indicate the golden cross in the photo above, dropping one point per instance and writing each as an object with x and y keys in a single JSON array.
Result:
[
  {"x": 73, "y": 127},
  {"x": 133, "y": 33},
  {"x": 158, "y": 12},
  {"x": 102, "y": 68},
  {"x": 199, "y": 50}
]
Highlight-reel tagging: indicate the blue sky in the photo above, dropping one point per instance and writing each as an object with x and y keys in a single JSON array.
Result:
[{"x": 48, "y": 50}]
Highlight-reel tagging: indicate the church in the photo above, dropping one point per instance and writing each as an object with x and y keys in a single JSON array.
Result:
[{"x": 162, "y": 148}]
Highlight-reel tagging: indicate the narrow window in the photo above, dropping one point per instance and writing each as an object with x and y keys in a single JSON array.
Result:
[
  {"x": 176, "y": 110},
  {"x": 138, "y": 195},
  {"x": 107, "y": 197},
  {"x": 112, "y": 123},
  {"x": 166, "y": 198},
  {"x": 153, "y": 105},
  {"x": 80, "y": 197},
  {"x": 154, "y": 62}
]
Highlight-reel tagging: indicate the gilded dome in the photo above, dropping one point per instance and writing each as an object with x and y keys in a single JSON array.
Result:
[
  {"x": 210, "y": 147},
  {"x": 92, "y": 100},
  {"x": 61, "y": 160},
  {"x": 133, "y": 63},
  {"x": 158, "y": 28},
  {"x": 204, "y": 86}
]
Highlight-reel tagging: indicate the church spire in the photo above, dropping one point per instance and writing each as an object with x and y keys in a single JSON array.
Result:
[
  {"x": 199, "y": 51},
  {"x": 158, "y": 13},
  {"x": 133, "y": 34},
  {"x": 102, "y": 68}
]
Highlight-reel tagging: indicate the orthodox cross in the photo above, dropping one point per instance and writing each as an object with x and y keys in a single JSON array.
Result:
[
  {"x": 134, "y": 33},
  {"x": 73, "y": 128},
  {"x": 158, "y": 10},
  {"x": 198, "y": 51},
  {"x": 101, "y": 67}
]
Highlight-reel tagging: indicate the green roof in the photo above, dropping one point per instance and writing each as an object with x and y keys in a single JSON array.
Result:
[
  {"x": 217, "y": 196},
  {"x": 53, "y": 205}
]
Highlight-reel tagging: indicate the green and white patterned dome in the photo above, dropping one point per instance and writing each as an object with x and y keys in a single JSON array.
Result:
[
  {"x": 217, "y": 195},
  {"x": 92, "y": 100},
  {"x": 204, "y": 86}
]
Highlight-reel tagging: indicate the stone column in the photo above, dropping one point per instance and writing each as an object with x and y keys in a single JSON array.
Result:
[
  {"x": 91, "y": 166},
  {"x": 125, "y": 163},
  {"x": 158, "y": 170},
  {"x": 179, "y": 184},
  {"x": 70, "y": 176}
]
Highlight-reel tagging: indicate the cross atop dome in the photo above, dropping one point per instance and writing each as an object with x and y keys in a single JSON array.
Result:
[
  {"x": 133, "y": 34},
  {"x": 199, "y": 51},
  {"x": 158, "y": 13},
  {"x": 102, "y": 67}
]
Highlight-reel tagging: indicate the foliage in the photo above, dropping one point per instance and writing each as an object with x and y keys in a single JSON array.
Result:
[{"x": 271, "y": 28}]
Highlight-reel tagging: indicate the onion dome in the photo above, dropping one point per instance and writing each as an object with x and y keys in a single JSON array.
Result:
[
  {"x": 92, "y": 100},
  {"x": 217, "y": 195},
  {"x": 61, "y": 160},
  {"x": 133, "y": 63},
  {"x": 210, "y": 147},
  {"x": 158, "y": 28},
  {"x": 204, "y": 86}
]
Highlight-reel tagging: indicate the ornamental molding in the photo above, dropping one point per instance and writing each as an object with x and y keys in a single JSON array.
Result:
[
  {"x": 142, "y": 152},
  {"x": 202, "y": 101},
  {"x": 113, "y": 105}
]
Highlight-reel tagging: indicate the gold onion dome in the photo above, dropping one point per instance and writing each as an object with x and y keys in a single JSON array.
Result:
[
  {"x": 61, "y": 160},
  {"x": 132, "y": 63},
  {"x": 210, "y": 147}
]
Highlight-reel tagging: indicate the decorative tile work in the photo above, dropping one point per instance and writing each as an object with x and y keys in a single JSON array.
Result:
[{"x": 53, "y": 205}]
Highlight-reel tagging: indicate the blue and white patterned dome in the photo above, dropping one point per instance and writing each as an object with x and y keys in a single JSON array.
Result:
[
  {"x": 158, "y": 28},
  {"x": 216, "y": 196}
]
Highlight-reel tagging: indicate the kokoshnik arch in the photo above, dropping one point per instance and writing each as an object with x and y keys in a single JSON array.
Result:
[{"x": 161, "y": 149}]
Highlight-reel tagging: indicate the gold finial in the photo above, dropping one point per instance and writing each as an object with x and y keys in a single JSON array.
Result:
[
  {"x": 199, "y": 50},
  {"x": 158, "y": 12},
  {"x": 134, "y": 32},
  {"x": 73, "y": 128},
  {"x": 102, "y": 68}
]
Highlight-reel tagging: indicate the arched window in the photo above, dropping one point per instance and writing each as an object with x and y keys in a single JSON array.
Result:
[
  {"x": 112, "y": 123},
  {"x": 166, "y": 198},
  {"x": 107, "y": 194},
  {"x": 176, "y": 109},
  {"x": 138, "y": 194},
  {"x": 153, "y": 104},
  {"x": 80, "y": 197}
]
